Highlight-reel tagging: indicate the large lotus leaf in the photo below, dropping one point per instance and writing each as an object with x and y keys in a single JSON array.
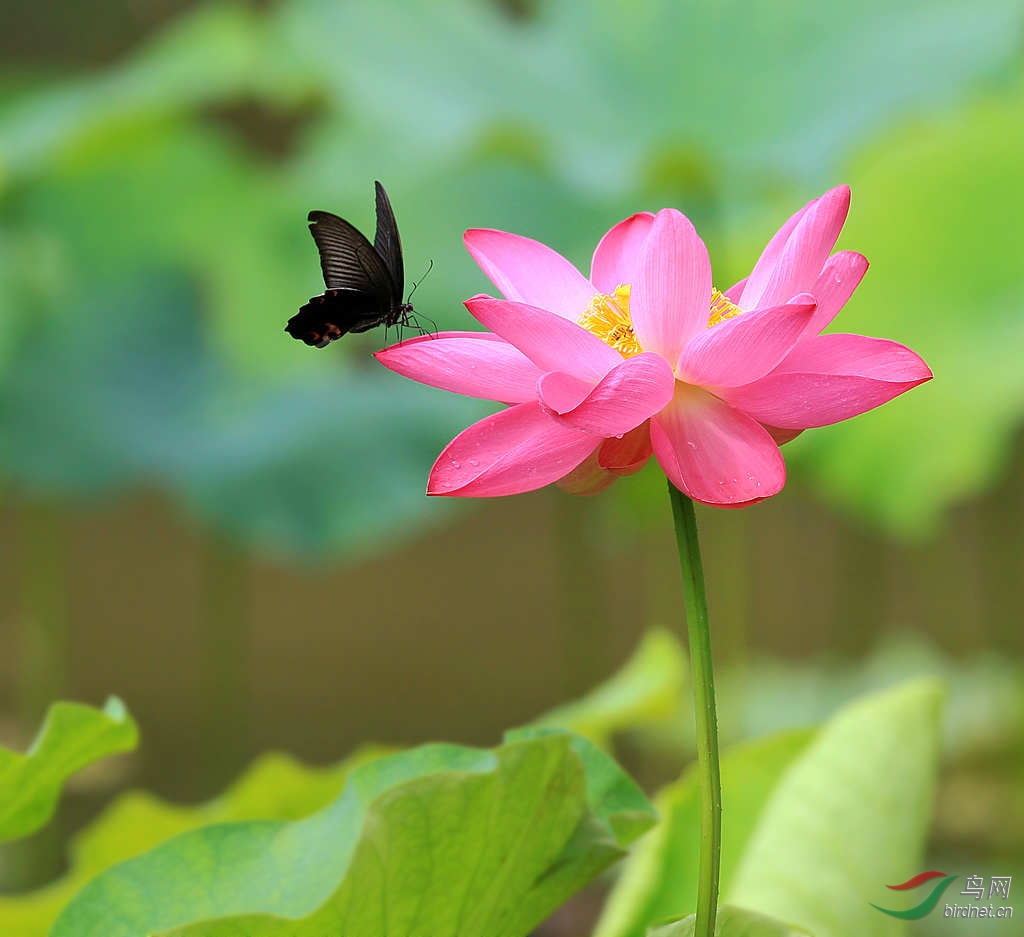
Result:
[
  {"x": 220, "y": 52},
  {"x": 119, "y": 365},
  {"x": 940, "y": 215},
  {"x": 850, "y": 816},
  {"x": 610, "y": 85},
  {"x": 814, "y": 824},
  {"x": 660, "y": 878},
  {"x": 288, "y": 465},
  {"x": 275, "y": 787},
  {"x": 336, "y": 465},
  {"x": 783, "y": 88},
  {"x": 29, "y": 282},
  {"x": 179, "y": 197},
  {"x": 539, "y": 816},
  {"x": 607, "y": 97},
  {"x": 72, "y": 737}
]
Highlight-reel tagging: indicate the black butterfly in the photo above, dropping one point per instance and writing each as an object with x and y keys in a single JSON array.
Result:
[{"x": 364, "y": 281}]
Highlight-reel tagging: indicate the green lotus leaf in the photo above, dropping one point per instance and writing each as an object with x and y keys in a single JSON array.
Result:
[{"x": 72, "y": 736}]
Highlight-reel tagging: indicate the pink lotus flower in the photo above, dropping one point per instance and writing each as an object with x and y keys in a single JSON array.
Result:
[{"x": 647, "y": 357}]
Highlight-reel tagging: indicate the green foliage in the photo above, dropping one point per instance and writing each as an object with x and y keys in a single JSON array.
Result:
[
  {"x": 814, "y": 824},
  {"x": 541, "y": 815},
  {"x": 938, "y": 213},
  {"x": 731, "y": 922},
  {"x": 555, "y": 127},
  {"x": 275, "y": 787},
  {"x": 985, "y": 692},
  {"x": 221, "y": 51},
  {"x": 72, "y": 737},
  {"x": 660, "y": 880},
  {"x": 278, "y": 788},
  {"x": 287, "y": 467},
  {"x": 611, "y": 87},
  {"x": 646, "y": 689},
  {"x": 849, "y": 816}
]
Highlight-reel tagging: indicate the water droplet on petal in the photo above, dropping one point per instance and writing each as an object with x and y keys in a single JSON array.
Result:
[{"x": 456, "y": 464}]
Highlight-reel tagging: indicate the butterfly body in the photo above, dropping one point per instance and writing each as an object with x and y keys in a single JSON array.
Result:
[
  {"x": 325, "y": 318},
  {"x": 364, "y": 281}
]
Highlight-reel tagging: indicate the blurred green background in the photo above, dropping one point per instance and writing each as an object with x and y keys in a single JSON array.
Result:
[{"x": 229, "y": 529}]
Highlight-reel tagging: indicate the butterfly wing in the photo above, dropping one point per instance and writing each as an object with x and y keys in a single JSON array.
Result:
[
  {"x": 388, "y": 244},
  {"x": 364, "y": 281},
  {"x": 334, "y": 313},
  {"x": 348, "y": 260}
]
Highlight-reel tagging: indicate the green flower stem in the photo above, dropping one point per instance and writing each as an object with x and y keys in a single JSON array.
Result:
[
  {"x": 43, "y": 651},
  {"x": 42, "y": 672},
  {"x": 224, "y": 662},
  {"x": 704, "y": 711},
  {"x": 584, "y": 612}
]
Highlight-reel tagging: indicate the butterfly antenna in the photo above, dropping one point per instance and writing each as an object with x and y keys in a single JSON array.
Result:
[{"x": 430, "y": 266}]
